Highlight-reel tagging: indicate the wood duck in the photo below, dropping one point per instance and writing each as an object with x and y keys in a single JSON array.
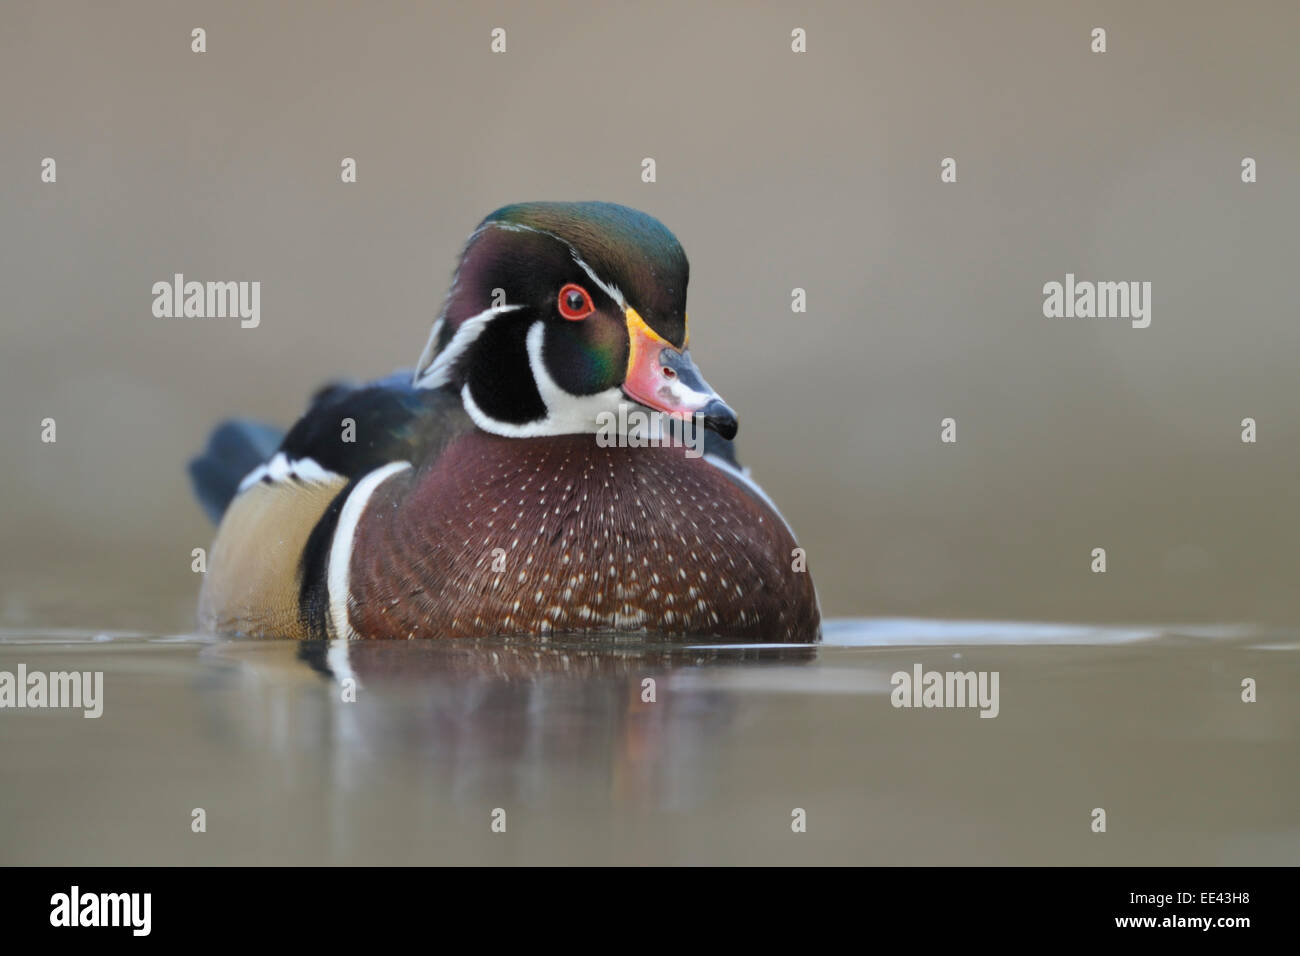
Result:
[{"x": 543, "y": 471}]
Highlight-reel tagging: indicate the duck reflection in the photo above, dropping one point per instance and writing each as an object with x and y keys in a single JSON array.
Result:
[{"x": 497, "y": 722}]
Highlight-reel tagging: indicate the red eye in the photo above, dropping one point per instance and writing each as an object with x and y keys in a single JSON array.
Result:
[{"x": 574, "y": 303}]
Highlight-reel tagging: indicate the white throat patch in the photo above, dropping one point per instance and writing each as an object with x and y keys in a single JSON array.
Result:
[{"x": 566, "y": 414}]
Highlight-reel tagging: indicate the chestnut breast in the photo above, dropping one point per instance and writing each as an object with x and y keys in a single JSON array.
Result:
[{"x": 521, "y": 536}]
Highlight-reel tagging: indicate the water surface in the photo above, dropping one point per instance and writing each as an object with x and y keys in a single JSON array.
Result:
[{"x": 1145, "y": 722}]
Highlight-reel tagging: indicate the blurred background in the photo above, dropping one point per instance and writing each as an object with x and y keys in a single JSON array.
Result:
[{"x": 818, "y": 170}]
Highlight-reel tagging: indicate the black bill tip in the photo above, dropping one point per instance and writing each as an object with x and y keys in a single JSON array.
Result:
[{"x": 719, "y": 417}]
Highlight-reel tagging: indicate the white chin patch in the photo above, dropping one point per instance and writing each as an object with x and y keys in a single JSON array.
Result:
[{"x": 565, "y": 414}]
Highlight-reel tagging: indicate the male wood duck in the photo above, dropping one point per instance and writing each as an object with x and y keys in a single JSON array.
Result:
[{"x": 477, "y": 498}]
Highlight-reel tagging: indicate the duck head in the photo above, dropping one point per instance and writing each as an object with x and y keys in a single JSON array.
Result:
[{"x": 560, "y": 312}]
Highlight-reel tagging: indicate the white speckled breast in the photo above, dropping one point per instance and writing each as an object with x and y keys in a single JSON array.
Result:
[{"x": 507, "y": 536}]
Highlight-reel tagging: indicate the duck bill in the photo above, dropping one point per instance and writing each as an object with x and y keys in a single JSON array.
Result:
[{"x": 663, "y": 377}]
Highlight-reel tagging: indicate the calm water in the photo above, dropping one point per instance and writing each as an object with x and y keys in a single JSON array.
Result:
[{"x": 1146, "y": 723}]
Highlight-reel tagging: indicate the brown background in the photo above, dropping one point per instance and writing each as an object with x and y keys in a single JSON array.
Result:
[{"x": 775, "y": 171}]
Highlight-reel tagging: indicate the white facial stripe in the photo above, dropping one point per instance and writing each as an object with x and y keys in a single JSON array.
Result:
[
  {"x": 430, "y": 349},
  {"x": 439, "y": 371},
  {"x": 340, "y": 560},
  {"x": 566, "y": 414},
  {"x": 489, "y": 424},
  {"x": 609, "y": 288}
]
